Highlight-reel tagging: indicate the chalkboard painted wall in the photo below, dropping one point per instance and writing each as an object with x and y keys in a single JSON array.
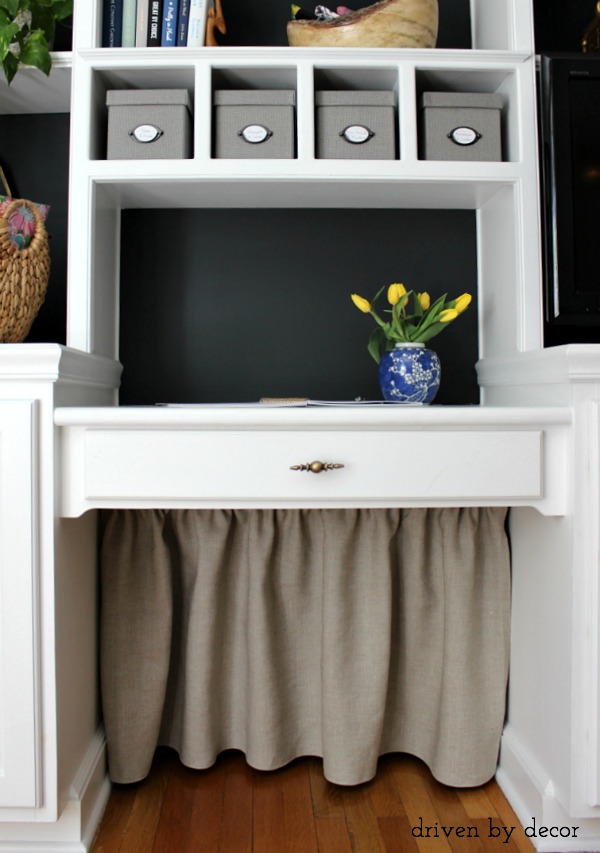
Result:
[
  {"x": 375, "y": 248},
  {"x": 235, "y": 306}
]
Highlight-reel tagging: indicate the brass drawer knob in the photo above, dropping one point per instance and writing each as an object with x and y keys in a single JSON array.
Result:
[{"x": 316, "y": 467}]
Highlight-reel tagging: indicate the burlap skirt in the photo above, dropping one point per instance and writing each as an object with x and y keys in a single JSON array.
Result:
[{"x": 344, "y": 634}]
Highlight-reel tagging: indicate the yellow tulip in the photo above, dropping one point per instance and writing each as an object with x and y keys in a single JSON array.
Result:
[
  {"x": 362, "y": 304},
  {"x": 462, "y": 302},
  {"x": 395, "y": 293},
  {"x": 447, "y": 315},
  {"x": 424, "y": 300}
]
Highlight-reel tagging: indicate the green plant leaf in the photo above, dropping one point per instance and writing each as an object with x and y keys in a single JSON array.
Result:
[
  {"x": 12, "y": 6},
  {"x": 34, "y": 42},
  {"x": 403, "y": 301},
  {"x": 42, "y": 18},
  {"x": 428, "y": 319},
  {"x": 418, "y": 309},
  {"x": 376, "y": 344},
  {"x": 45, "y": 14},
  {"x": 385, "y": 326},
  {"x": 377, "y": 295},
  {"x": 404, "y": 329},
  {"x": 10, "y": 65},
  {"x": 7, "y": 34},
  {"x": 61, "y": 9},
  {"x": 432, "y": 331},
  {"x": 35, "y": 52},
  {"x": 437, "y": 306}
]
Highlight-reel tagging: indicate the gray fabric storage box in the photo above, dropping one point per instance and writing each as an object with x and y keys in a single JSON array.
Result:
[
  {"x": 356, "y": 125},
  {"x": 149, "y": 124},
  {"x": 460, "y": 126},
  {"x": 254, "y": 123}
]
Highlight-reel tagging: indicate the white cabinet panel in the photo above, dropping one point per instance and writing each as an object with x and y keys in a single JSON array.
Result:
[
  {"x": 19, "y": 741},
  {"x": 257, "y": 466}
]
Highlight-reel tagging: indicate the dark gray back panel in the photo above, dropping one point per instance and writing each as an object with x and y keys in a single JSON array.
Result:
[{"x": 230, "y": 305}]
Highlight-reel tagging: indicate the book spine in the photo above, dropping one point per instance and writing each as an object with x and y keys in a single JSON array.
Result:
[
  {"x": 141, "y": 29},
  {"x": 155, "y": 17},
  {"x": 112, "y": 23},
  {"x": 182, "y": 23},
  {"x": 197, "y": 23},
  {"x": 169, "y": 26},
  {"x": 129, "y": 23}
]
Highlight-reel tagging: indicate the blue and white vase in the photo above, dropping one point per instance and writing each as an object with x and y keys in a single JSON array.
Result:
[{"x": 409, "y": 373}]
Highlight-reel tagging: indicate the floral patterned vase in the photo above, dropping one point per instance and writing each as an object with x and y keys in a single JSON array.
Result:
[{"x": 409, "y": 373}]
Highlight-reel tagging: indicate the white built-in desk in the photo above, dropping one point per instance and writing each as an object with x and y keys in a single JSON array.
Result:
[
  {"x": 534, "y": 446},
  {"x": 228, "y": 456}
]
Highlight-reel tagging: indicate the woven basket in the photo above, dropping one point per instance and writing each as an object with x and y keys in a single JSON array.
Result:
[{"x": 24, "y": 276}]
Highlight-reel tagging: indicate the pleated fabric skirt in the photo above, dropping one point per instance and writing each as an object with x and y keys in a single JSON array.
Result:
[{"x": 344, "y": 634}]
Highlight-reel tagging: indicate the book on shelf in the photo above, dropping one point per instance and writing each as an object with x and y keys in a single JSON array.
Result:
[
  {"x": 129, "y": 23},
  {"x": 154, "y": 23},
  {"x": 112, "y": 23},
  {"x": 155, "y": 17},
  {"x": 182, "y": 22},
  {"x": 169, "y": 23},
  {"x": 197, "y": 23},
  {"x": 141, "y": 28}
]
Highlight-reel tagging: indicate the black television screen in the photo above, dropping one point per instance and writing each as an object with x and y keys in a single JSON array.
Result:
[{"x": 570, "y": 135}]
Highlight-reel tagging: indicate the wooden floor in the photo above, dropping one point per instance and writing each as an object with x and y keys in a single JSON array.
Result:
[{"x": 232, "y": 808}]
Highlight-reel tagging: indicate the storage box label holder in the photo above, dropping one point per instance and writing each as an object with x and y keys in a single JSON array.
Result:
[
  {"x": 255, "y": 133},
  {"x": 146, "y": 133},
  {"x": 357, "y": 134},
  {"x": 464, "y": 136}
]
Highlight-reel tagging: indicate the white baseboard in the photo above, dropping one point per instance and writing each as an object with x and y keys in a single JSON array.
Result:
[
  {"x": 91, "y": 788},
  {"x": 74, "y": 831},
  {"x": 531, "y": 794}
]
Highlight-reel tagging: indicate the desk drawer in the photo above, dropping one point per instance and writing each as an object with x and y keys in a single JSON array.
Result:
[{"x": 254, "y": 466}]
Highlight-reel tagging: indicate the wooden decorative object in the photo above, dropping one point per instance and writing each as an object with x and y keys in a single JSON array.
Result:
[
  {"x": 214, "y": 21},
  {"x": 388, "y": 23}
]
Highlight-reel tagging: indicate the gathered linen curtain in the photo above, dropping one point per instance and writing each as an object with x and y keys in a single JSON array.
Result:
[{"x": 344, "y": 634}]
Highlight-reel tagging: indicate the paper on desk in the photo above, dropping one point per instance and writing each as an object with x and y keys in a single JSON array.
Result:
[{"x": 287, "y": 403}]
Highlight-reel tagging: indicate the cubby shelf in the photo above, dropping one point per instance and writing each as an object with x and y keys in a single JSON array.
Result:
[{"x": 500, "y": 193}]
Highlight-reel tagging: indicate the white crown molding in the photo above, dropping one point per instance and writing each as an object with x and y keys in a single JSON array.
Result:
[
  {"x": 56, "y": 363},
  {"x": 553, "y": 366}
]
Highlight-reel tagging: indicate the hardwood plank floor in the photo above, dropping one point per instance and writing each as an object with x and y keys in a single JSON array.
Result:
[{"x": 231, "y": 808}]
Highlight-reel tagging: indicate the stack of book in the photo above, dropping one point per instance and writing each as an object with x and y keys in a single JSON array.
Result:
[{"x": 154, "y": 23}]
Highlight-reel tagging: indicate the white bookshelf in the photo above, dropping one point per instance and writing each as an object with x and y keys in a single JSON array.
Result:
[{"x": 533, "y": 436}]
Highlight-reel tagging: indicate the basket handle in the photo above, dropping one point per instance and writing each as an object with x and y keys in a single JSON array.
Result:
[{"x": 4, "y": 182}]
